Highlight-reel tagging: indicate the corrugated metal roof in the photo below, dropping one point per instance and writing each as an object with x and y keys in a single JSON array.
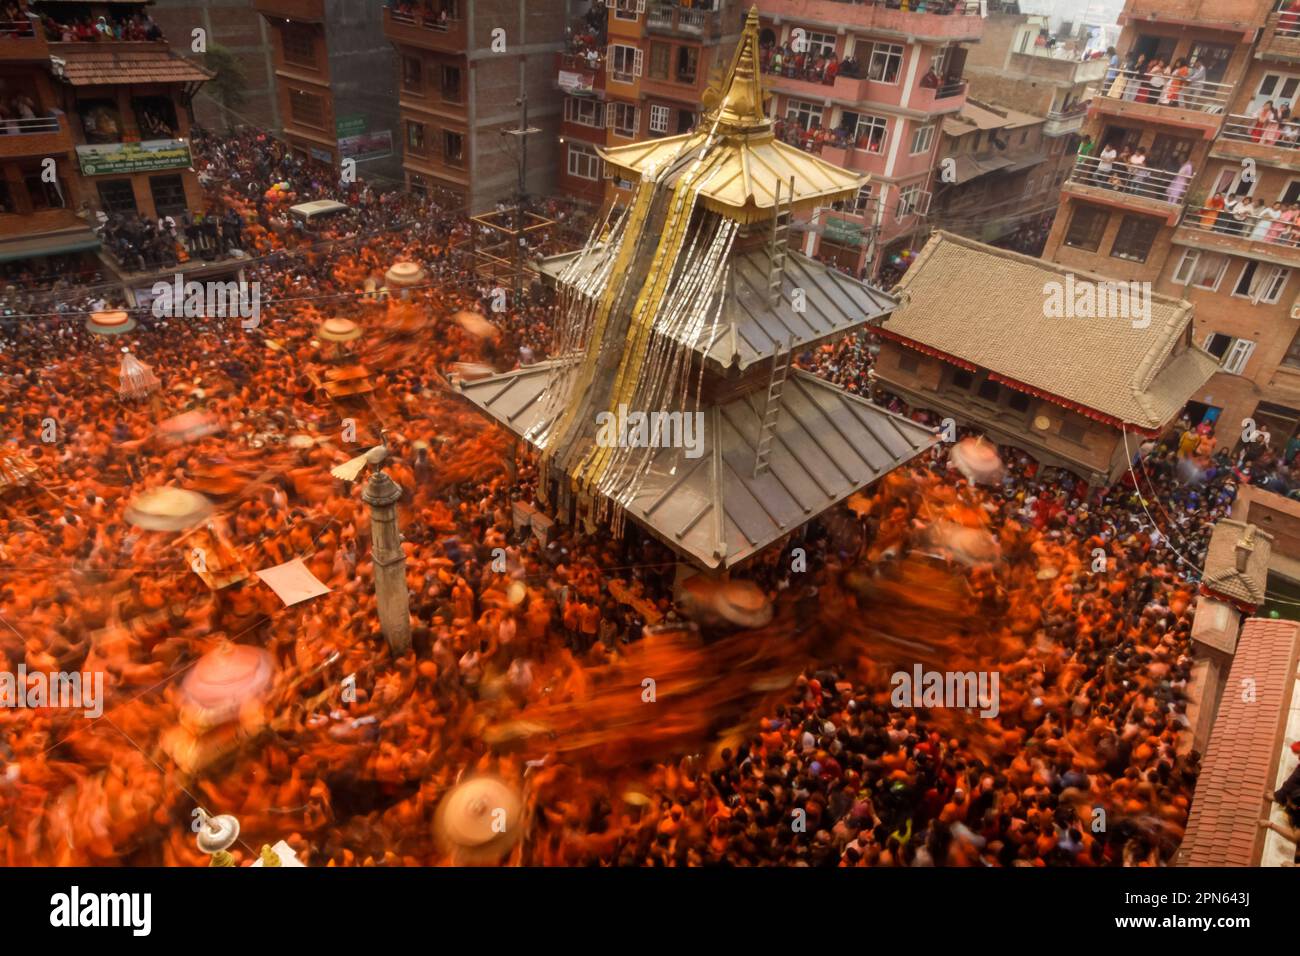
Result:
[
  {"x": 828, "y": 444},
  {"x": 1244, "y": 749},
  {"x": 751, "y": 329}
]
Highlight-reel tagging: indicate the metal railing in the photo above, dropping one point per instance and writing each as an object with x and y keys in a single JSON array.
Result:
[
  {"x": 429, "y": 21},
  {"x": 1270, "y": 230},
  {"x": 949, "y": 88},
  {"x": 659, "y": 15},
  {"x": 1134, "y": 180},
  {"x": 17, "y": 30},
  {"x": 956, "y": 7},
  {"x": 1288, "y": 25},
  {"x": 1163, "y": 90},
  {"x": 37, "y": 124},
  {"x": 1251, "y": 129},
  {"x": 1070, "y": 112}
]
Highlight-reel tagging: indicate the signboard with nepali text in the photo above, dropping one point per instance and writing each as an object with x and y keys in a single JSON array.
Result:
[{"x": 148, "y": 156}]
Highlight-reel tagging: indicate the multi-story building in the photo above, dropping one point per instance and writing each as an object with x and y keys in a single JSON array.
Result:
[
  {"x": 998, "y": 169},
  {"x": 867, "y": 87},
  {"x": 40, "y": 232},
  {"x": 635, "y": 69},
  {"x": 1206, "y": 144},
  {"x": 109, "y": 132},
  {"x": 335, "y": 80},
  {"x": 463, "y": 66},
  {"x": 244, "y": 33}
]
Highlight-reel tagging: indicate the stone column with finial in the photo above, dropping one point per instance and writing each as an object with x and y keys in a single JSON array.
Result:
[{"x": 382, "y": 495}]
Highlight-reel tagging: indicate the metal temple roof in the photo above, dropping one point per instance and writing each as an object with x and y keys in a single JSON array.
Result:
[{"x": 829, "y": 443}]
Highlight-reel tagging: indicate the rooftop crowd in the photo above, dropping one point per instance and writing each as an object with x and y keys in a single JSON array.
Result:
[{"x": 1094, "y": 665}]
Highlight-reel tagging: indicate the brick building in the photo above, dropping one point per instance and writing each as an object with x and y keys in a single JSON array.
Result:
[
  {"x": 336, "y": 83},
  {"x": 109, "y": 134},
  {"x": 239, "y": 28},
  {"x": 633, "y": 70},
  {"x": 1167, "y": 229},
  {"x": 462, "y": 66},
  {"x": 899, "y": 73}
]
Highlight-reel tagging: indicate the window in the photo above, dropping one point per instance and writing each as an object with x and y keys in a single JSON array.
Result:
[
  {"x": 1018, "y": 401},
  {"x": 1292, "y": 357},
  {"x": 117, "y": 195},
  {"x": 862, "y": 201},
  {"x": 628, "y": 9},
  {"x": 907, "y": 361},
  {"x": 451, "y": 84},
  {"x": 453, "y": 148},
  {"x": 583, "y": 161},
  {"x": 1261, "y": 282},
  {"x": 922, "y": 137},
  {"x": 885, "y": 63},
  {"x": 1086, "y": 228},
  {"x": 168, "y": 195},
  {"x": 412, "y": 75},
  {"x": 1072, "y": 431},
  {"x": 1278, "y": 87},
  {"x": 989, "y": 390},
  {"x": 306, "y": 108},
  {"x": 1232, "y": 353},
  {"x": 1134, "y": 238},
  {"x": 661, "y": 55},
  {"x": 912, "y": 200},
  {"x": 624, "y": 63},
  {"x": 298, "y": 43},
  {"x": 962, "y": 379},
  {"x": 659, "y": 116},
  {"x": 819, "y": 44},
  {"x": 415, "y": 137},
  {"x": 583, "y": 111},
  {"x": 872, "y": 133},
  {"x": 1203, "y": 270},
  {"x": 685, "y": 121},
  {"x": 803, "y": 113},
  {"x": 624, "y": 119},
  {"x": 688, "y": 62}
]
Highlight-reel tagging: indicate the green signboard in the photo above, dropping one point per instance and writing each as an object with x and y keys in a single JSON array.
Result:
[
  {"x": 153, "y": 154},
  {"x": 347, "y": 126},
  {"x": 842, "y": 232}
]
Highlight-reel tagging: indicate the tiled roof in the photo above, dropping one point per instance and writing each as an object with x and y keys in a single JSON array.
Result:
[
  {"x": 987, "y": 306},
  {"x": 104, "y": 64},
  {"x": 1220, "y": 573},
  {"x": 1240, "y": 762}
]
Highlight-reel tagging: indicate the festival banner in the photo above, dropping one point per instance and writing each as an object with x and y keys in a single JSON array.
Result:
[{"x": 154, "y": 154}]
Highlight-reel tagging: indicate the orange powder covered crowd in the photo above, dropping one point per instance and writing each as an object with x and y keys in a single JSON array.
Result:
[{"x": 771, "y": 746}]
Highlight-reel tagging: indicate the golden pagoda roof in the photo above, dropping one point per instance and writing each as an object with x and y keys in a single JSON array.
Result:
[{"x": 746, "y": 162}]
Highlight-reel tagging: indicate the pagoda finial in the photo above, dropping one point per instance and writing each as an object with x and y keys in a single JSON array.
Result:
[{"x": 741, "y": 98}]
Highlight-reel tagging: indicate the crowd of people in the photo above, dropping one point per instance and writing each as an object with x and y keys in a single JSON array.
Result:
[
  {"x": 136, "y": 27},
  {"x": 1182, "y": 83},
  {"x": 1124, "y": 168},
  {"x": 817, "y": 769}
]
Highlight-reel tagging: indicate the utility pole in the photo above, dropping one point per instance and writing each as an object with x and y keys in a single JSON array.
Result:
[{"x": 391, "y": 595}]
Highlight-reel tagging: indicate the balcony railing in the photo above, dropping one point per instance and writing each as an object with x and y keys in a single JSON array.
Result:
[
  {"x": 1070, "y": 112},
  {"x": 669, "y": 16},
  {"x": 1288, "y": 25},
  {"x": 1128, "y": 179},
  {"x": 1251, "y": 129},
  {"x": 17, "y": 30},
  {"x": 959, "y": 7},
  {"x": 37, "y": 124},
  {"x": 1280, "y": 231},
  {"x": 1175, "y": 92}
]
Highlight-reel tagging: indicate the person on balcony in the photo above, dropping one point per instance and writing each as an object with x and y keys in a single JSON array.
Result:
[
  {"x": 1106, "y": 163},
  {"x": 1157, "y": 78},
  {"x": 1176, "y": 84},
  {"x": 832, "y": 70},
  {"x": 1178, "y": 185},
  {"x": 1241, "y": 212},
  {"x": 1286, "y": 215},
  {"x": 1138, "y": 172},
  {"x": 1210, "y": 214},
  {"x": 1263, "y": 219},
  {"x": 1112, "y": 67},
  {"x": 1195, "y": 95},
  {"x": 1265, "y": 121}
]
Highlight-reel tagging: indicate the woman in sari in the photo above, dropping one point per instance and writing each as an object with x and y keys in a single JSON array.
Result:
[
  {"x": 1265, "y": 117},
  {"x": 1210, "y": 212},
  {"x": 1265, "y": 217},
  {"x": 1177, "y": 80}
]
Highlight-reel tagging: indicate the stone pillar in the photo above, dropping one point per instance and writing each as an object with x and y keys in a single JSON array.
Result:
[{"x": 382, "y": 494}]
